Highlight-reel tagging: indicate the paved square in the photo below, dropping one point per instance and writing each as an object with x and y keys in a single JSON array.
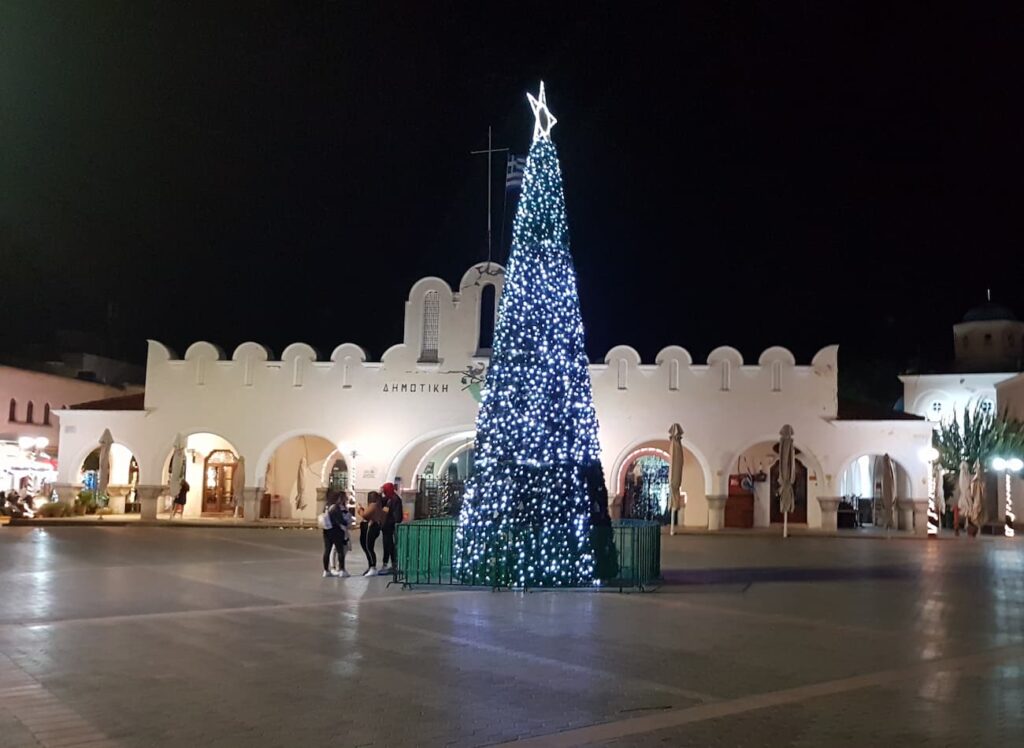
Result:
[{"x": 138, "y": 636}]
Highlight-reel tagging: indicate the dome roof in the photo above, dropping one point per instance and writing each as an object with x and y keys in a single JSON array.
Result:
[{"x": 988, "y": 312}]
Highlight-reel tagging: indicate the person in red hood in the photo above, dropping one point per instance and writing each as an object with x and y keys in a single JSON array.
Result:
[{"x": 392, "y": 516}]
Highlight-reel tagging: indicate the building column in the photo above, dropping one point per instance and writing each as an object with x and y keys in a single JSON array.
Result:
[
  {"x": 67, "y": 493},
  {"x": 117, "y": 496},
  {"x": 149, "y": 498},
  {"x": 920, "y": 510},
  {"x": 251, "y": 503},
  {"x": 829, "y": 516},
  {"x": 716, "y": 512},
  {"x": 905, "y": 508},
  {"x": 321, "y": 500}
]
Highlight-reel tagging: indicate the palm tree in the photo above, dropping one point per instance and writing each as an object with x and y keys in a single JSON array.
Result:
[{"x": 978, "y": 437}]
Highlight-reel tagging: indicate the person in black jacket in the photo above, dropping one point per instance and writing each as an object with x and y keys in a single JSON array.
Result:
[
  {"x": 335, "y": 522},
  {"x": 392, "y": 516}
]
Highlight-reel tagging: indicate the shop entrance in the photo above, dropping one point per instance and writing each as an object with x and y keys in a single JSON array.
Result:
[{"x": 218, "y": 481}]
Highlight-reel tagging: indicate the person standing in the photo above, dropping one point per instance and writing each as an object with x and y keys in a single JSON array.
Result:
[
  {"x": 393, "y": 511},
  {"x": 334, "y": 522},
  {"x": 178, "y": 507},
  {"x": 369, "y": 528}
]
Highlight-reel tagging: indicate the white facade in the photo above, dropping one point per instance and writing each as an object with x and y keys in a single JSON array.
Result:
[
  {"x": 988, "y": 347},
  {"x": 415, "y": 410}
]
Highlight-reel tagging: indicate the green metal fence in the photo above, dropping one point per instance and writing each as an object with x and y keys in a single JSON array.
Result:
[{"x": 426, "y": 548}]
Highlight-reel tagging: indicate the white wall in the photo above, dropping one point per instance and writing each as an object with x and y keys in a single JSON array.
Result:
[
  {"x": 40, "y": 388},
  {"x": 395, "y": 412},
  {"x": 955, "y": 392}
]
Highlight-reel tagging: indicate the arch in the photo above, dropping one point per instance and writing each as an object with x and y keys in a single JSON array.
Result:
[
  {"x": 157, "y": 351},
  {"x": 469, "y": 437},
  {"x": 776, "y": 353},
  {"x": 418, "y": 441},
  {"x": 487, "y": 318},
  {"x": 674, "y": 353},
  {"x": 624, "y": 352},
  {"x": 259, "y": 466},
  {"x": 806, "y": 455},
  {"x": 12, "y": 413},
  {"x": 29, "y": 412},
  {"x": 84, "y": 452},
  {"x": 202, "y": 350},
  {"x": 827, "y": 359},
  {"x": 199, "y": 444},
  {"x": 303, "y": 351},
  {"x": 727, "y": 359},
  {"x": 430, "y": 334},
  {"x": 904, "y": 478},
  {"x": 349, "y": 350},
  {"x": 46, "y": 414},
  {"x": 459, "y": 451},
  {"x": 618, "y": 466},
  {"x": 251, "y": 351},
  {"x": 330, "y": 461},
  {"x": 636, "y": 454}
]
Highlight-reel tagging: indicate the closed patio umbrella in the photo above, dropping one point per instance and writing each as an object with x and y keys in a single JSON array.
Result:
[
  {"x": 787, "y": 476},
  {"x": 675, "y": 475},
  {"x": 177, "y": 465},
  {"x": 106, "y": 441},
  {"x": 889, "y": 490},
  {"x": 238, "y": 485},
  {"x": 300, "y": 485},
  {"x": 963, "y": 494},
  {"x": 977, "y": 511}
]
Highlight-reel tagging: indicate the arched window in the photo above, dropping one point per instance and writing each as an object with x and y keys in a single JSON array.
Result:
[
  {"x": 935, "y": 410},
  {"x": 726, "y": 376},
  {"x": 487, "y": 297},
  {"x": 28, "y": 412},
  {"x": 431, "y": 327},
  {"x": 988, "y": 338},
  {"x": 776, "y": 376},
  {"x": 46, "y": 414},
  {"x": 12, "y": 414},
  {"x": 622, "y": 383}
]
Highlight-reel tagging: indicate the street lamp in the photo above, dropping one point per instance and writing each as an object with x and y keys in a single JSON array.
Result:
[
  {"x": 1011, "y": 465},
  {"x": 929, "y": 455}
]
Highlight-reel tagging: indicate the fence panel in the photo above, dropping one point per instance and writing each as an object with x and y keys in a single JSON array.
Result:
[{"x": 426, "y": 548}]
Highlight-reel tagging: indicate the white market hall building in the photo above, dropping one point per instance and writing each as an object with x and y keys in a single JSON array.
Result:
[{"x": 354, "y": 423}]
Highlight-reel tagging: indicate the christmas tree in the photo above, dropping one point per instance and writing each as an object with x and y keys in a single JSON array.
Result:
[{"x": 538, "y": 484}]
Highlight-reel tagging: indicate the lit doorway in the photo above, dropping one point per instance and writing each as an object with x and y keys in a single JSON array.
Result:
[{"x": 218, "y": 482}]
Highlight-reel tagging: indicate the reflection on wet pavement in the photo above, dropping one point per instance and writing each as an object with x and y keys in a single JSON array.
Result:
[{"x": 148, "y": 636}]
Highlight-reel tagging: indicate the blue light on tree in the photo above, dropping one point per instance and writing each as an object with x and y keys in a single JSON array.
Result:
[{"x": 526, "y": 516}]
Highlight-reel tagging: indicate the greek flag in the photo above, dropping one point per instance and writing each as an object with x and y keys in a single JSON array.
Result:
[{"x": 514, "y": 173}]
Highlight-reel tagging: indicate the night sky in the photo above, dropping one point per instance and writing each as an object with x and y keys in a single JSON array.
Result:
[{"x": 746, "y": 174}]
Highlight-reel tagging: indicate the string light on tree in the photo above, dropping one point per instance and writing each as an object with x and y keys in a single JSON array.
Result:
[
  {"x": 525, "y": 520},
  {"x": 1012, "y": 465},
  {"x": 930, "y": 455}
]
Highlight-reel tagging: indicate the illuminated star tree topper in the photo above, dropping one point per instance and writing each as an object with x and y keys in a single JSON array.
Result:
[{"x": 544, "y": 120}]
